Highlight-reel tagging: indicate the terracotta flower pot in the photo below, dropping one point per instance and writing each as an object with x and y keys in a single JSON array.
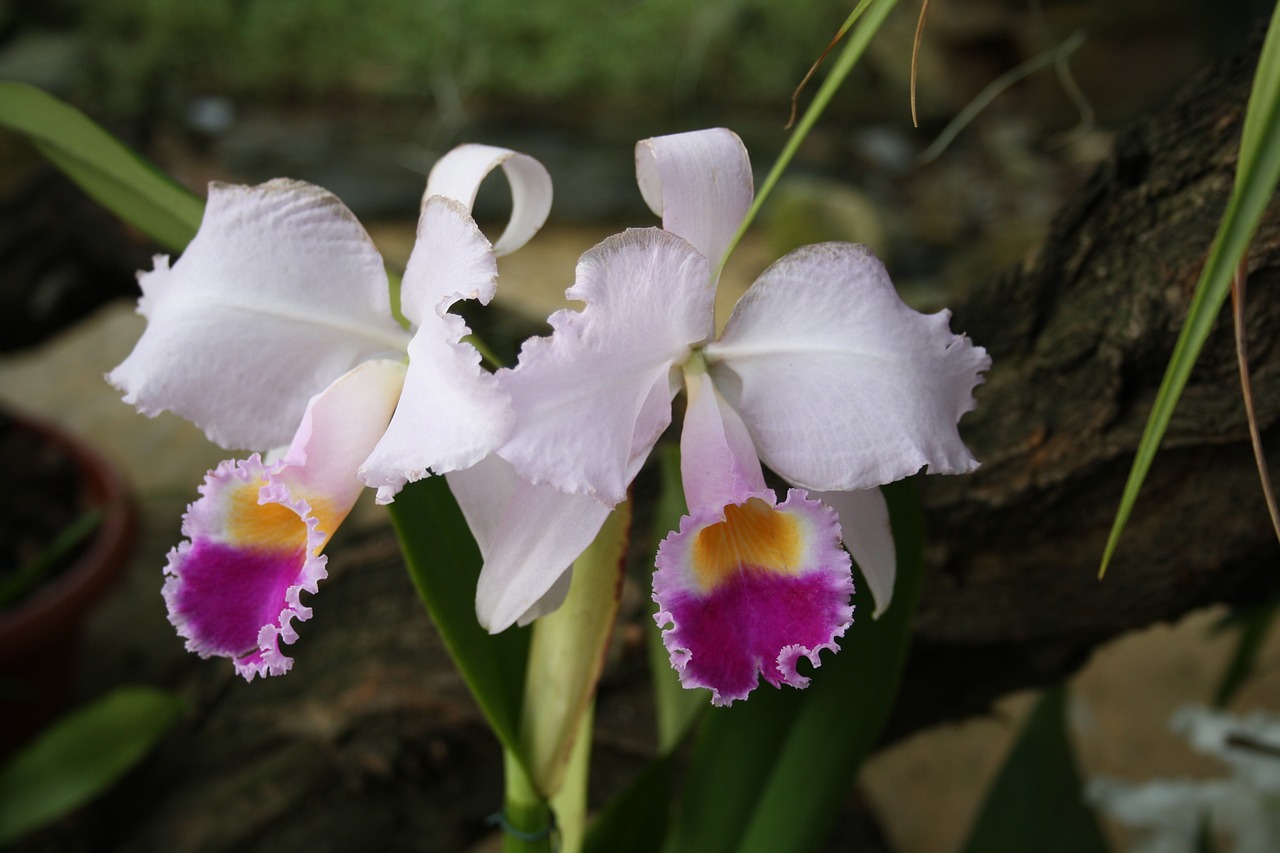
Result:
[{"x": 40, "y": 634}]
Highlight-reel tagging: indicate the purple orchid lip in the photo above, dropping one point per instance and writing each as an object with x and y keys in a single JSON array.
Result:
[
  {"x": 748, "y": 589},
  {"x": 234, "y": 588}
]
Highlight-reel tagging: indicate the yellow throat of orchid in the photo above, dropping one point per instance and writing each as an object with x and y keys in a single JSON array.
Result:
[{"x": 753, "y": 537}]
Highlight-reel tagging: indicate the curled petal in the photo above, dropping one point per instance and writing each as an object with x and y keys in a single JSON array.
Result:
[
  {"x": 452, "y": 412},
  {"x": 841, "y": 385},
  {"x": 459, "y": 173},
  {"x": 699, "y": 183},
  {"x": 280, "y": 292},
  {"x": 868, "y": 536},
  {"x": 529, "y": 537},
  {"x": 748, "y": 590},
  {"x": 256, "y": 533},
  {"x": 591, "y": 399},
  {"x": 718, "y": 464}
]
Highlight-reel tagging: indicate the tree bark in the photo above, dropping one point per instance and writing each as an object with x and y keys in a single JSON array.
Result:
[{"x": 1080, "y": 336}]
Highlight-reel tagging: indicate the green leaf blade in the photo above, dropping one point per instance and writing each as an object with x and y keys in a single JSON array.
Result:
[
  {"x": 101, "y": 165},
  {"x": 1036, "y": 801},
  {"x": 81, "y": 756},
  {"x": 445, "y": 562},
  {"x": 1257, "y": 173}
]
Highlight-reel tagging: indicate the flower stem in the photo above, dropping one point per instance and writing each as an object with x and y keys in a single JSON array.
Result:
[
  {"x": 570, "y": 802},
  {"x": 527, "y": 819}
]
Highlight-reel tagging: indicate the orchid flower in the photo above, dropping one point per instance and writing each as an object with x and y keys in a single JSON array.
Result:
[
  {"x": 821, "y": 373},
  {"x": 274, "y": 329}
]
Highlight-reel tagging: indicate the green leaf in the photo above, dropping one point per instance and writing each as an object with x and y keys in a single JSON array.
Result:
[
  {"x": 1255, "y": 626},
  {"x": 1036, "y": 802},
  {"x": 1257, "y": 172},
  {"x": 36, "y": 568},
  {"x": 769, "y": 773},
  {"x": 637, "y": 818},
  {"x": 444, "y": 563},
  {"x": 853, "y": 49},
  {"x": 81, "y": 756},
  {"x": 104, "y": 167}
]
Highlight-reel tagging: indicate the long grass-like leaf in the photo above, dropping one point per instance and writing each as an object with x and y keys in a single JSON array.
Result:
[
  {"x": 854, "y": 47},
  {"x": 1255, "y": 625},
  {"x": 102, "y": 165},
  {"x": 1257, "y": 172}
]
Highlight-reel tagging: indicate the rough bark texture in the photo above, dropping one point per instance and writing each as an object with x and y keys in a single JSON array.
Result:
[{"x": 1080, "y": 337}]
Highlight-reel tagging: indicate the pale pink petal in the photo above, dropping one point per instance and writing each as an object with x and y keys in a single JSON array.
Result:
[
  {"x": 868, "y": 536},
  {"x": 452, "y": 412},
  {"x": 459, "y": 173},
  {"x": 255, "y": 535},
  {"x": 747, "y": 590},
  {"x": 280, "y": 292},
  {"x": 550, "y": 601},
  {"x": 841, "y": 385},
  {"x": 591, "y": 399},
  {"x": 529, "y": 536},
  {"x": 699, "y": 183},
  {"x": 340, "y": 428},
  {"x": 718, "y": 464}
]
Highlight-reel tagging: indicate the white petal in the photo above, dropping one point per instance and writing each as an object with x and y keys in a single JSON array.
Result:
[
  {"x": 699, "y": 183},
  {"x": 551, "y": 599},
  {"x": 868, "y": 536},
  {"x": 340, "y": 427},
  {"x": 280, "y": 292},
  {"x": 459, "y": 173},
  {"x": 529, "y": 536},
  {"x": 591, "y": 399},
  {"x": 452, "y": 412},
  {"x": 451, "y": 260},
  {"x": 841, "y": 385},
  {"x": 718, "y": 463}
]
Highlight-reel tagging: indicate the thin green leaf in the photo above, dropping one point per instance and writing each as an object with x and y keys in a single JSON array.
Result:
[
  {"x": 1257, "y": 172},
  {"x": 1255, "y": 626},
  {"x": 35, "y": 569},
  {"x": 81, "y": 756},
  {"x": 104, "y": 167},
  {"x": 1036, "y": 802},
  {"x": 1204, "y": 836},
  {"x": 849, "y": 56},
  {"x": 770, "y": 773},
  {"x": 444, "y": 563}
]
